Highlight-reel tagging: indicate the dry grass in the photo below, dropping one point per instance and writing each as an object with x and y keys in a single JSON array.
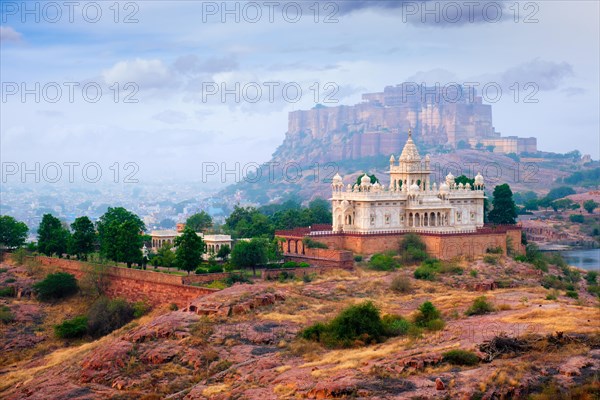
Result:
[{"x": 564, "y": 318}]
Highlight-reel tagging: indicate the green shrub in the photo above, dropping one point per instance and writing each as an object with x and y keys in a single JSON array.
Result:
[
  {"x": 7, "y": 291},
  {"x": 480, "y": 306},
  {"x": 140, "y": 309},
  {"x": 290, "y": 264},
  {"x": 401, "y": 284},
  {"x": 72, "y": 328},
  {"x": 213, "y": 269},
  {"x": 201, "y": 270},
  {"x": 473, "y": 273},
  {"x": 303, "y": 265},
  {"x": 540, "y": 264},
  {"x": 6, "y": 315},
  {"x": 173, "y": 307},
  {"x": 284, "y": 276},
  {"x": 490, "y": 259},
  {"x": 460, "y": 357},
  {"x": 395, "y": 325},
  {"x": 572, "y": 294},
  {"x": 236, "y": 278},
  {"x": 313, "y": 244},
  {"x": 10, "y": 280},
  {"x": 3, "y": 270},
  {"x": 553, "y": 295},
  {"x": 217, "y": 284},
  {"x": 425, "y": 273},
  {"x": 307, "y": 278},
  {"x": 426, "y": 313},
  {"x": 450, "y": 268},
  {"x": 520, "y": 258},
  {"x": 56, "y": 286},
  {"x": 358, "y": 258},
  {"x": 591, "y": 277},
  {"x": 413, "y": 249},
  {"x": 357, "y": 324},
  {"x": 383, "y": 262},
  {"x": 553, "y": 282},
  {"x": 436, "y": 325},
  {"x": 495, "y": 250},
  {"x": 594, "y": 289},
  {"x": 107, "y": 315},
  {"x": 577, "y": 218}
]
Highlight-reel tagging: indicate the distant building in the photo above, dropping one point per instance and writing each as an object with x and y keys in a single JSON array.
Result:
[
  {"x": 213, "y": 242},
  {"x": 507, "y": 145}
]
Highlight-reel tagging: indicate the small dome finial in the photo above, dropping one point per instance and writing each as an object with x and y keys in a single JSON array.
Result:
[{"x": 410, "y": 133}]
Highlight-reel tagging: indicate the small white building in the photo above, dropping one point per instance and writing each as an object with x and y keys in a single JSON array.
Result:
[
  {"x": 411, "y": 202},
  {"x": 213, "y": 242}
]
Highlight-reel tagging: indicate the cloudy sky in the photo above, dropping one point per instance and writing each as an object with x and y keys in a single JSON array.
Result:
[{"x": 143, "y": 81}]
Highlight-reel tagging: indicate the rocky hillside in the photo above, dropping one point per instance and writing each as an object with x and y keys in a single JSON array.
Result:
[
  {"x": 308, "y": 180},
  {"x": 252, "y": 350}
]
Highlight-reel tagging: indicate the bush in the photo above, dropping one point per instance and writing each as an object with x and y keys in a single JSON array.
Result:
[
  {"x": 540, "y": 264},
  {"x": 56, "y": 286},
  {"x": 201, "y": 270},
  {"x": 553, "y": 282},
  {"x": 412, "y": 249},
  {"x": 356, "y": 325},
  {"x": 72, "y": 328},
  {"x": 490, "y": 259},
  {"x": 107, "y": 315},
  {"x": 358, "y": 258},
  {"x": 401, "y": 284},
  {"x": 590, "y": 277},
  {"x": 213, "y": 269},
  {"x": 594, "y": 289},
  {"x": 473, "y": 273},
  {"x": 424, "y": 273},
  {"x": 3, "y": 270},
  {"x": 436, "y": 325},
  {"x": 313, "y": 244},
  {"x": 553, "y": 295},
  {"x": 236, "y": 278},
  {"x": 395, "y": 325},
  {"x": 480, "y": 306},
  {"x": 382, "y": 262},
  {"x": 140, "y": 309},
  {"x": 572, "y": 294},
  {"x": 426, "y": 313},
  {"x": 173, "y": 307},
  {"x": 7, "y": 291},
  {"x": 578, "y": 218},
  {"x": 290, "y": 264},
  {"x": 495, "y": 250},
  {"x": 6, "y": 315},
  {"x": 460, "y": 357},
  {"x": 10, "y": 280},
  {"x": 284, "y": 276},
  {"x": 303, "y": 265}
]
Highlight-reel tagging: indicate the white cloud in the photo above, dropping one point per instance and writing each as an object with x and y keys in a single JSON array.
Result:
[
  {"x": 8, "y": 34},
  {"x": 146, "y": 74}
]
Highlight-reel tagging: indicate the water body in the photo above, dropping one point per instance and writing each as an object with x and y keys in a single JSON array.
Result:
[{"x": 587, "y": 259}]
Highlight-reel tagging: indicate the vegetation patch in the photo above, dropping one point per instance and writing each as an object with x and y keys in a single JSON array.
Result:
[
  {"x": 480, "y": 306},
  {"x": 461, "y": 357},
  {"x": 401, "y": 284},
  {"x": 72, "y": 328},
  {"x": 383, "y": 262},
  {"x": 56, "y": 286},
  {"x": 6, "y": 315},
  {"x": 7, "y": 291}
]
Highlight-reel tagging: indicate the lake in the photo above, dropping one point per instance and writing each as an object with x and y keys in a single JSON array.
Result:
[{"x": 587, "y": 259}]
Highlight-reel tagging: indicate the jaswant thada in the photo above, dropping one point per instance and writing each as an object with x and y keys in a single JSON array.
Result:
[{"x": 369, "y": 217}]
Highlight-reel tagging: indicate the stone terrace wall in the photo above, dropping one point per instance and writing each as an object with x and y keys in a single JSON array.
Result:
[
  {"x": 135, "y": 285},
  {"x": 331, "y": 258},
  {"x": 443, "y": 246}
]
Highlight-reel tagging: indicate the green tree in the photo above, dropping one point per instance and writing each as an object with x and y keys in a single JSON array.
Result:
[
  {"x": 224, "y": 252},
  {"x": 52, "y": 236},
  {"x": 464, "y": 180},
  {"x": 504, "y": 210},
  {"x": 83, "y": 239},
  {"x": 590, "y": 206},
  {"x": 250, "y": 254},
  {"x": 119, "y": 231},
  {"x": 320, "y": 211},
  {"x": 372, "y": 177},
  {"x": 166, "y": 256},
  {"x": 190, "y": 248},
  {"x": 13, "y": 233},
  {"x": 200, "y": 221},
  {"x": 563, "y": 204},
  {"x": 559, "y": 193}
]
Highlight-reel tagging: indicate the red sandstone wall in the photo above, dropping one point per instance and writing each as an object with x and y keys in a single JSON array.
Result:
[
  {"x": 440, "y": 246},
  {"x": 135, "y": 285},
  {"x": 274, "y": 273}
]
